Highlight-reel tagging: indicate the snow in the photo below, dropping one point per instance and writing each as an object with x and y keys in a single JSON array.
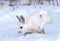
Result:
[{"x": 9, "y": 24}]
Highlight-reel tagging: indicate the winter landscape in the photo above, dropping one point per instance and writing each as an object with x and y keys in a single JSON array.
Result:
[{"x": 9, "y": 23}]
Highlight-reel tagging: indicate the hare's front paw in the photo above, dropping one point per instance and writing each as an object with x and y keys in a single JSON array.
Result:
[{"x": 28, "y": 33}]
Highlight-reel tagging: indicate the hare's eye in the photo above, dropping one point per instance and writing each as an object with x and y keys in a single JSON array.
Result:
[
  {"x": 21, "y": 27},
  {"x": 40, "y": 16}
]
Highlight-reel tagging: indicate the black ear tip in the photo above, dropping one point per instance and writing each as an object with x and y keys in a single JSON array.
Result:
[
  {"x": 17, "y": 16},
  {"x": 21, "y": 16}
]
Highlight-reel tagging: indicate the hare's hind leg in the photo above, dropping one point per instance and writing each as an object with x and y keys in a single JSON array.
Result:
[{"x": 42, "y": 31}]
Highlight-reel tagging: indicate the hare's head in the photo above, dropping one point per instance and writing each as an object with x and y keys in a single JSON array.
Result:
[{"x": 23, "y": 26}]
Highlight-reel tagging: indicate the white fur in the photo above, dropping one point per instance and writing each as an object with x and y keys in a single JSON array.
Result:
[{"x": 35, "y": 21}]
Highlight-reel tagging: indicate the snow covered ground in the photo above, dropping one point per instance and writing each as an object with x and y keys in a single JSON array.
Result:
[{"x": 9, "y": 23}]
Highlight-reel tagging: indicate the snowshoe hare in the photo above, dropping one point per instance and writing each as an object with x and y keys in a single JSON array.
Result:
[{"x": 35, "y": 23}]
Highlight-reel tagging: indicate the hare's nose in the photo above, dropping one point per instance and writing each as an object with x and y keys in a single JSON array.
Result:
[{"x": 19, "y": 32}]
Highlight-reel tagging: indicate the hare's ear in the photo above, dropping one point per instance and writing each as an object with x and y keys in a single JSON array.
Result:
[{"x": 21, "y": 18}]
